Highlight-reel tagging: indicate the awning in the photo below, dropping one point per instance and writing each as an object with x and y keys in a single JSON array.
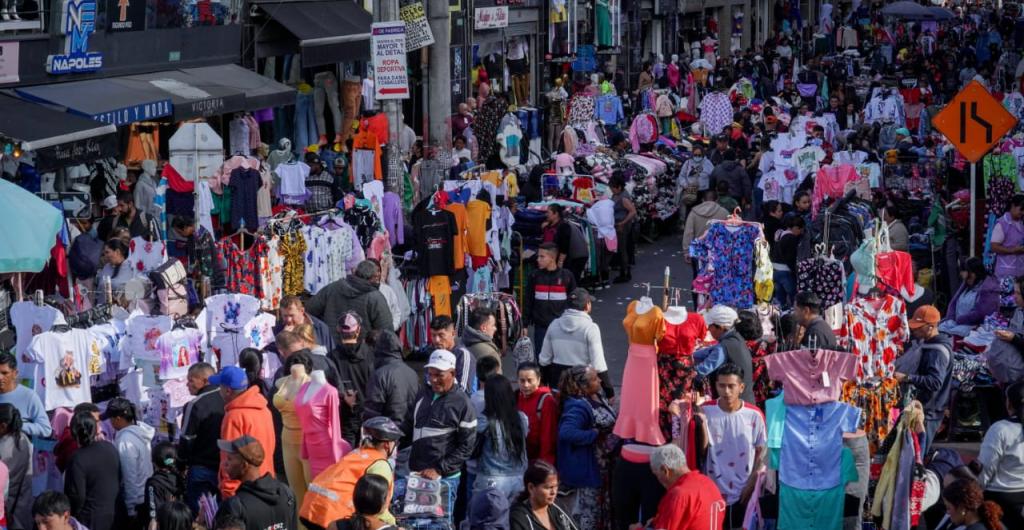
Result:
[
  {"x": 104, "y": 100},
  {"x": 327, "y": 31},
  {"x": 191, "y": 96},
  {"x": 38, "y": 127},
  {"x": 260, "y": 92}
]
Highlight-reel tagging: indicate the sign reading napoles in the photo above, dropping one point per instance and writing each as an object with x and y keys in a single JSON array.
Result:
[
  {"x": 389, "y": 67},
  {"x": 77, "y": 24},
  {"x": 126, "y": 15}
]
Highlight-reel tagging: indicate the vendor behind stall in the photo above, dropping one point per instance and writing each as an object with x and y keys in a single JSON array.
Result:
[{"x": 977, "y": 298}]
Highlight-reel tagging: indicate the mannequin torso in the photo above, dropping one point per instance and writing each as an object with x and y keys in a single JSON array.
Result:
[
  {"x": 676, "y": 315},
  {"x": 644, "y": 305},
  {"x": 317, "y": 380}
]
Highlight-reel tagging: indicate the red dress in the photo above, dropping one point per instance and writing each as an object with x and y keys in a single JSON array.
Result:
[{"x": 675, "y": 366}]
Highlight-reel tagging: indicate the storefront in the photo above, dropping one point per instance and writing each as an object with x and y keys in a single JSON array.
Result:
[{"x": 508, "y": 46}]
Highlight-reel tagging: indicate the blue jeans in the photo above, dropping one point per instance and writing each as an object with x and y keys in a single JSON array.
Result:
[
  {"x": 785, "y": 288},
  {"x": 199, "y": 480},
  {"x": 928, "y": 436},
  {"x": 305, "y": 123}
]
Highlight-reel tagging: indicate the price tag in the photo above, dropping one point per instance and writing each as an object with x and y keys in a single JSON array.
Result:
[{"x": 825, "y": 381}]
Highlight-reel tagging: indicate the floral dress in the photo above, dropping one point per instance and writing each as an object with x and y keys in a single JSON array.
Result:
[
  {"x": 875, "y": 331},
  {"x": 727, "y": 255}
]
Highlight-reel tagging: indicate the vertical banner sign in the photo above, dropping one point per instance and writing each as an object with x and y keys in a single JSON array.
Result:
[
  {"x": 389, "y": 74},
  {"x": 417, "y": 29},
  {"x": 9, "y": 62},
  {"x": 77, "y": 24}
]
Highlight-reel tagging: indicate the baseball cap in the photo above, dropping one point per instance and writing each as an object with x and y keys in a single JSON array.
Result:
[
  {"x": 118, "y": 408},
  {"x": 312, "y": 158},
  {"x": 442, "y": 360},
  {"x": 350, "y": 322},
  {"x": 926, "y": 314},
  {"x": 903, "y": 131},
  {"x": 232, "y": 377},
  {"x": 110, "y": 202},
  {"x": 339, "y": 162},
  {"x": 246, "y": 446}
]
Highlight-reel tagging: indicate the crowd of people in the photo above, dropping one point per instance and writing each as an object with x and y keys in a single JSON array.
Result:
[{"x": 784, "y": 397}]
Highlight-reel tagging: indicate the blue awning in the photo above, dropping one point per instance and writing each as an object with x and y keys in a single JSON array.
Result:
[
  {"x": 104, "y": 100},
  {"x": 38, "y": 127}
]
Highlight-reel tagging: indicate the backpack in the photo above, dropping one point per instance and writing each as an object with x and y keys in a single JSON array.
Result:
[{"x": 577, "y": 242}]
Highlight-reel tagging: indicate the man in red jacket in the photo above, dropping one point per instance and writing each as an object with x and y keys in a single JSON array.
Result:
[
  {"x": 691, "y": 501},
  {"x": 541, "y": 407}
]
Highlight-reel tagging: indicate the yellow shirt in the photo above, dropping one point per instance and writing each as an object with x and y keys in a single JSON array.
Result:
[
  {"x": 647, "y": 328},
  {"x": 478, "y": 213}
]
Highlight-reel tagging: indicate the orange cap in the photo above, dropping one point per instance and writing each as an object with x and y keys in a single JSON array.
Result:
[{"x": 926, "y": 314}]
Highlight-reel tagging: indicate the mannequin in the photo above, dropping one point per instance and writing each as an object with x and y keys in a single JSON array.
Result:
[
  {"x": 519, "y": 67},
  {"x": 675, "y": 315},
  {"x": 317, "y": 406},
  {"x": 291, "y": 432},
  {"x": 557, "y": 97},
  {"x": 659, "y": 68},
  {"x": 638, "y": 413},
  {"x": 145, "y": 189},
  {"x": 673, "y": 74}
]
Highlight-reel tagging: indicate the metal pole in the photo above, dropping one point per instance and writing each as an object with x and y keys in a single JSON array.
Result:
[
  {"x": 974, "y": 206},
  {"x": 440, "y": 80}
]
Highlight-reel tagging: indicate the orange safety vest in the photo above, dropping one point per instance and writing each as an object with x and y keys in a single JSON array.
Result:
[{"x": 329, "y": 497}]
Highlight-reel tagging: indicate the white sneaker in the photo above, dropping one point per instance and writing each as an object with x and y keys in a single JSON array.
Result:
[
  {"x": 14, "y": 15},
  {"x": 5, "y": 15}
]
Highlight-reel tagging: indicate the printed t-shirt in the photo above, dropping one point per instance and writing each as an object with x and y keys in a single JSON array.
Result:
[
  {"x": 733, "y": 439},
  {"x": 143, "y": 332},
  {"x": 478, "y": 213},
  {"x": 179, "y": 349},
  {"x": 63, "y": 358},
  {"x": 812, "y": 376},
  {"x": 30, "y": 320},
  {"x": 692, "y": 503},
  {"x": 808, "y": 160},
  {"x": 436, "y": 230},
  {"x": 257, "y": 333},
  {"x": 440, "y": 289},
  {"x": 811, "y": 442},
  {"x": 145, "y": 256}
]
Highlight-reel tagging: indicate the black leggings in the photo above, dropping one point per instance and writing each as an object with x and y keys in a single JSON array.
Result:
[{"x": 636, "y": 493}]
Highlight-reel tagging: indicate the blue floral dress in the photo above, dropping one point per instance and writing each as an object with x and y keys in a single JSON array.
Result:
[{"x": 727, "y": 256}]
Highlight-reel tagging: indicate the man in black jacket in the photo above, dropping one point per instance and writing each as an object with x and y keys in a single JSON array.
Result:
[
  {"x": 442, "y": 425},
  {"x": 547, "y": 294},
  {"x": 201, "y": 424},
  {"x": 927, "y": 365},
  {"x": 354, "y": 361},
  {"x": 817, "y": 333},
  {"x": 359, "y": 292},
  {"x": 261, "y": 501},
  {"x": 393, "y": 387}
]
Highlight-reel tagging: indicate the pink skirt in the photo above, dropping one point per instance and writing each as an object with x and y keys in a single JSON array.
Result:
[{"x": 638, "y": 404}]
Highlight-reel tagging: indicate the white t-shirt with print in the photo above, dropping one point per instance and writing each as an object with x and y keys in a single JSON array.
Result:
[
  {"x": 733, "y": 437},
  {"x": 257, "y": 333},
  {"x": 30, "y": 320},
  {"x": 63, "y": 358},
  {"x": 179, "y": 349},
  {"x": 144, "y": 256},
  {"x": 143, "y": 332},
  {"x": 225, "y": 312},
  {"x": 808, "y": 160}
]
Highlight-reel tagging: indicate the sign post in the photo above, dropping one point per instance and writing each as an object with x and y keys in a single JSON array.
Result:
[
  {"x": 974, "y": 122},
  {"x": 76, "y": 204}
]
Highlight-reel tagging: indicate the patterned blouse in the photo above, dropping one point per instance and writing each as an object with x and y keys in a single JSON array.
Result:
[
  {"x": 728, "y": 251},
  {"x": 876, "y": 336}
]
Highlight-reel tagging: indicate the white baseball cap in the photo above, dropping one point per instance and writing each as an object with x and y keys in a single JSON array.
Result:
[
  {"x": 110, "y": 202},
  {"x": 442, "y": 360}
]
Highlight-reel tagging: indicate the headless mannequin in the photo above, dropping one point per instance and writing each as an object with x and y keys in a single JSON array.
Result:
[
  {"x": 645, "y": 305},
  {"x": 281, "y": 155},
  {"x": 675, "y": 315},
  {"x": 289, "y": 386},
  {"x": 316, "y": 381}
]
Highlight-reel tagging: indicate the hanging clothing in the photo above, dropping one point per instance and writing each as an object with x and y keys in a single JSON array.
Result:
[
  {"x": 478, "y": 214},
  {"x": 319, "y": 414},
  {"x": 875, "y": 331},
  {"x": 727, "y": 253},
  {"x": 363, "y": 144}
]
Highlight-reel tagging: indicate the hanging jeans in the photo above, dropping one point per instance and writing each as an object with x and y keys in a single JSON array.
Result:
[
  {"x": 325, "y": 90},
  {"x": 305, "y": 123},
  {"x": 351, "y": 89}
]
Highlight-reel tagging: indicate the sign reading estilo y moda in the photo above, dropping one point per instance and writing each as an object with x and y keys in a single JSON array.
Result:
[
  {"x": 77, "y": 24},
  {"x": 389, "y": 66}
]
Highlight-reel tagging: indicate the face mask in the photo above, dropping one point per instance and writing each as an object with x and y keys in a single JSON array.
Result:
[
  {"x": 816, "y": 141},
  {"x": 93, "y": 231},
  {"x": 698, "y": 159}
]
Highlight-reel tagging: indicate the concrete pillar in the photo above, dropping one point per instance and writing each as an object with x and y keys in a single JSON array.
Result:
[
  {"x": 440, "y": 78},
  {"x": 387, "y": 11}
]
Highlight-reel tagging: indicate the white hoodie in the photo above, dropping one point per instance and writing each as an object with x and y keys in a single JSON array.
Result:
[
  {"x": 134, "y": 446},
  {"x": 574, "y": 339}
]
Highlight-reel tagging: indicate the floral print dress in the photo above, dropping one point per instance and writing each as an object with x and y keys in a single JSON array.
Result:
[
  {"x": 875, "y": 331},
  {"x": 727, "y": 256}
]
